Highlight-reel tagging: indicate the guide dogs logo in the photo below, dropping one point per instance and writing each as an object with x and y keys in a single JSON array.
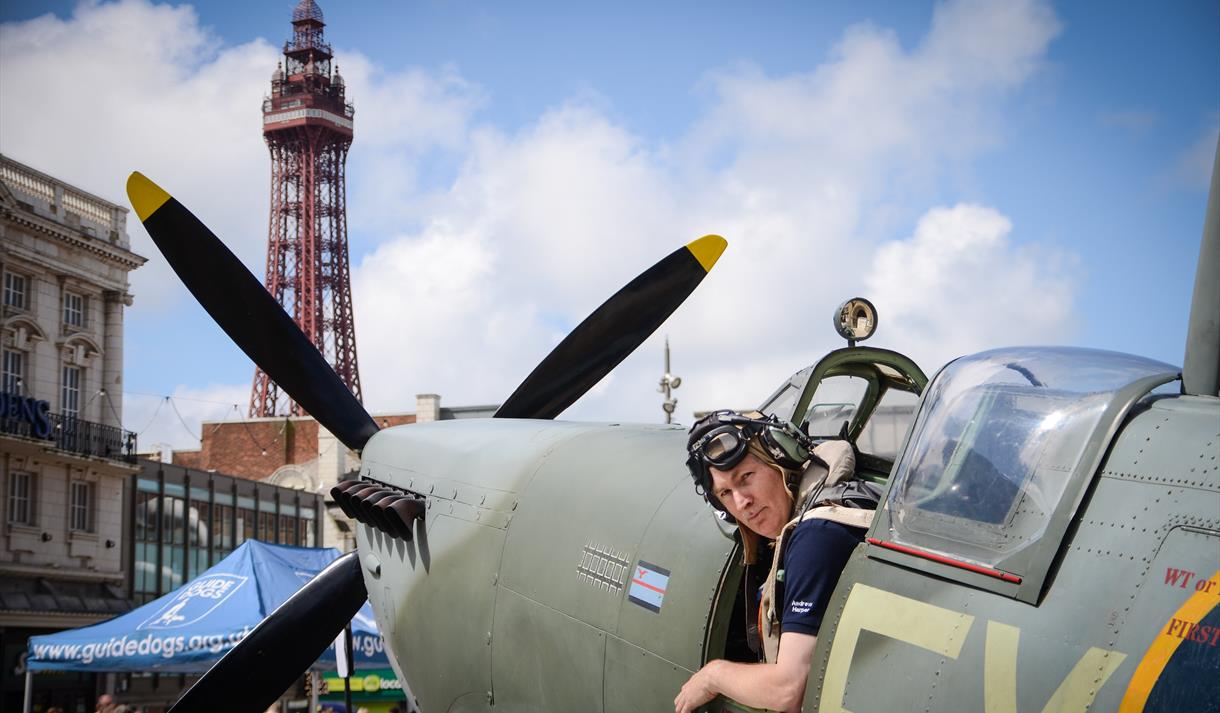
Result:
[{"x": 194, "y": 602}]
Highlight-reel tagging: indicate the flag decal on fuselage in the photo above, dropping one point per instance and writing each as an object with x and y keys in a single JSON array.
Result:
[{"x": 648, "y": 585}]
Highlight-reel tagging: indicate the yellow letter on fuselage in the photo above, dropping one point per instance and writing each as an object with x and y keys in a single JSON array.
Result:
[
  {"x": 927, "y": 626},
  {"x": 943, "y": 631}
]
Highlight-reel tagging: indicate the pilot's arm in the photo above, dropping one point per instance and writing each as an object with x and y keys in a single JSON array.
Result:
[
  {"x": 817, "y": 552},
  {"x": 779, "y": 686}
]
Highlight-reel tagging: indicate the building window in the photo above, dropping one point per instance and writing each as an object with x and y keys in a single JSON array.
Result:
[
  {"x": 245, "y": 525},
  {"x": 172, "y": 521},
  {"x": 266, "y": 526},
  {"x": 305, "y": 534},
  {"x": 74, "y": 310},
  {"x": 21, "y": 498},
  {"x": 199, "y": 523},
  {"x": 80, "y": 507},
  {"x": 147, "y": 513},
  {"x": 70, "y": 398},
  {"x": 173, "y": 569},
  {"x": 222, "y": 530},
  {"x": 14, "y": 372},
  {"x": 148, "y": 516},
  {"x": 199, "y": 528},
  {"x": 288, "y": 527},
  {"x": 15, "y": 291}
]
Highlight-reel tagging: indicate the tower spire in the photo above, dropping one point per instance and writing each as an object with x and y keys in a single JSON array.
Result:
[{"x": 307, "y": 124}]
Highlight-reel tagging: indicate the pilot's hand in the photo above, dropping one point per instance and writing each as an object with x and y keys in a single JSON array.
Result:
[{"x": 696, "y": 691}]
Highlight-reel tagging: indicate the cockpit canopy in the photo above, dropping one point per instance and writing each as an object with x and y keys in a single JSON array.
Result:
[{"x": 1003, "y": 441}]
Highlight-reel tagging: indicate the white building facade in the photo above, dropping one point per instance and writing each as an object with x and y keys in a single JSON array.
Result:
[{"x": 64, "y": 458}]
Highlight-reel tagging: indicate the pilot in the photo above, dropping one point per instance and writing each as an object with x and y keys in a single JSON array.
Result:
[{"x": 805, "y": 505}]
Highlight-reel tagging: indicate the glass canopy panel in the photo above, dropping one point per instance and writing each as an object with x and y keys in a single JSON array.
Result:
[
  {"x": 997, "y": 438},
  {"x": 783, "y": 402},
  {"x": 834, "y": 403}
]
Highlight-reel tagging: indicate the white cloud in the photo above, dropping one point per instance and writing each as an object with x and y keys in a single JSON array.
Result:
[
  {"x": 959, "y": 284},
  {"x": 477, "y": 276},
  {"x": 800, "y": 172},
  {"x": 528, "y": 241},
  {"x": 131, "y": 86},
  {"x": 401, "y": 118}
]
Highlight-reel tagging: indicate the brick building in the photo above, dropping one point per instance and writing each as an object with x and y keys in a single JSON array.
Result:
[{"x": 294, "y": 452}]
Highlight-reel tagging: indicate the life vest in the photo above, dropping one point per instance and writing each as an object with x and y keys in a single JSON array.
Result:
[{"x": 840, "y": 498}]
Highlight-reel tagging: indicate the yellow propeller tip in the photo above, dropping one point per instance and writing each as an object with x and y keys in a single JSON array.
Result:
[
  {"x": 145, "y": 196},
  {"x": 707, "y": 250}
]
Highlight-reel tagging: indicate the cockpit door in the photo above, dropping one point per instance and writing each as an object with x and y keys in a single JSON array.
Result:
[{"x": 863, "y": 394}]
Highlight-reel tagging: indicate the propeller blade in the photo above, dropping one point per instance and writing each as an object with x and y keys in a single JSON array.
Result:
[
  {"x": 259, "y": 669},
  {"x": 613, "y": 331},
  {"x": 248, "y": 313}
]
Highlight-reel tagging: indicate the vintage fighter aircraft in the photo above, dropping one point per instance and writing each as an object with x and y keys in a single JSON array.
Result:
[{"x": 1049, "y": 538}]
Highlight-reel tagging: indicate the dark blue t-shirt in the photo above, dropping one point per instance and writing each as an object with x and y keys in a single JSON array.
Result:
[{"x": 815, "y": 555}]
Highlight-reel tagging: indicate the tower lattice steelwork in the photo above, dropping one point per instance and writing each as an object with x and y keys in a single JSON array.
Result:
[{"x": 307, "y": 124}]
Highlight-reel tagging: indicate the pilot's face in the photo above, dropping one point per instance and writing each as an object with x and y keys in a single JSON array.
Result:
[{"x": 754, "y": 493}]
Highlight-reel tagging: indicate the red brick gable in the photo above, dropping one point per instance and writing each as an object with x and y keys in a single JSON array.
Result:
[{"x": 255, "y": 448}]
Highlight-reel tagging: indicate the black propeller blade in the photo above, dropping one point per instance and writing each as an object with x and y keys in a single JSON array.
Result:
[
  {"x": 613, "y": 331},
  {"x": 259, "y": 669},
  {"x": 248, "y": 313}
]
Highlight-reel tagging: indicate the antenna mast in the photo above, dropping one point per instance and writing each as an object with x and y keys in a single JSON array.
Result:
[{"x": 669, "y": 382}]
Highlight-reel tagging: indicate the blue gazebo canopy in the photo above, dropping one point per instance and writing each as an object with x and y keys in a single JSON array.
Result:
[{"x": 189, "y": 629}]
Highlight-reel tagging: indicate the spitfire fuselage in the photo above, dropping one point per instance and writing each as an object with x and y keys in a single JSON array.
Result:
[
  {"x": 559, "y": 566},
  {"x": 571, "y": 566}
]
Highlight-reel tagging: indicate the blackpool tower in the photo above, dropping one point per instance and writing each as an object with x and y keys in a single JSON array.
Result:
[{"x": 307, "y": 124}]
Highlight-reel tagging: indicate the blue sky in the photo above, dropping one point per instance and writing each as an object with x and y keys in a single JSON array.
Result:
[{"x": 989, "y": 173}]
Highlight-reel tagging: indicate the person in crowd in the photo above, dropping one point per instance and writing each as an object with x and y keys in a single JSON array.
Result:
[{"x": 105, "y": 703}]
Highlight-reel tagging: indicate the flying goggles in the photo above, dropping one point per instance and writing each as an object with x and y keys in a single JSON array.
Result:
[
  {"x": 721, "y": 440},
  {"x": 725, "y": 439}
]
